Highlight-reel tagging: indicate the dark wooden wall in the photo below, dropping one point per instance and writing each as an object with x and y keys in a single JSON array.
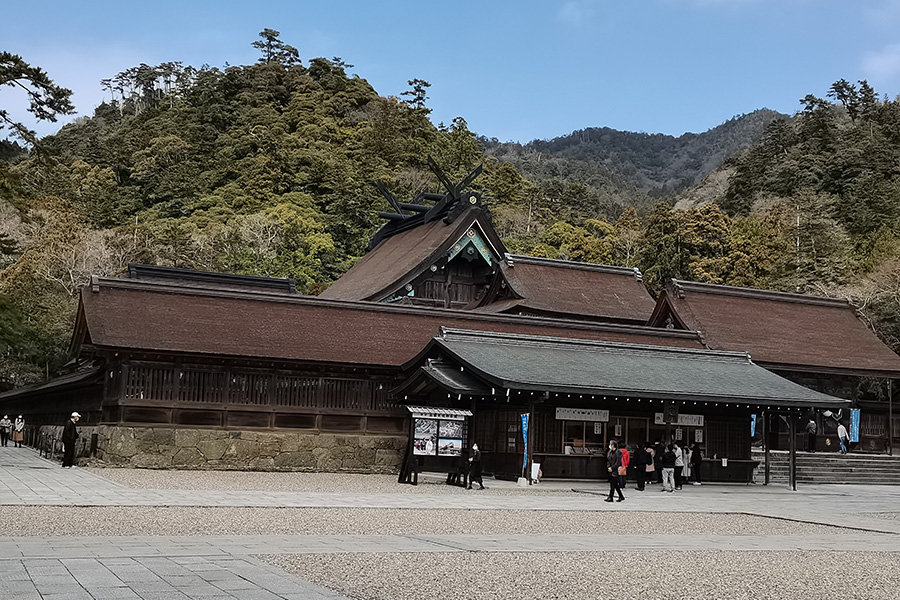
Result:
[{"x": 152, "y": 392}]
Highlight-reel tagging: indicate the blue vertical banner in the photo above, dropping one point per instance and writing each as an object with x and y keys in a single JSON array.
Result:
[
  {"x": 854, "y": 425},
  {"x": 752, "y": 425},
  {"x": 525, "y": 437}
]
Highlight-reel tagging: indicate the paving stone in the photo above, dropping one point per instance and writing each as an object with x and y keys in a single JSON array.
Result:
[{"x": 208, "y": 567}]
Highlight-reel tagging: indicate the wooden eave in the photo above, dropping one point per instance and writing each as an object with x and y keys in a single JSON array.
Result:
[
  {"x": 211, "y": 359},
  {"x": 822, "y": 370}
]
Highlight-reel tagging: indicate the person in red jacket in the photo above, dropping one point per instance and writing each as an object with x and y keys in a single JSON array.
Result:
[{"x": 626, "y": 460}]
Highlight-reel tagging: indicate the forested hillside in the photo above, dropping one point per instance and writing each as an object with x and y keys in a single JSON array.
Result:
[
  {"x": 656, "y": 164},
  {"x": 269, "y": 168}
]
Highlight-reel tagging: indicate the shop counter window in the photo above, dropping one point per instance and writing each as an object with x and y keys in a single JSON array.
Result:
[{"x": 583, "y": 437}]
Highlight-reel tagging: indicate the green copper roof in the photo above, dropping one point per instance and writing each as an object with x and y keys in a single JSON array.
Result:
[{"x": 608, "y": 368}]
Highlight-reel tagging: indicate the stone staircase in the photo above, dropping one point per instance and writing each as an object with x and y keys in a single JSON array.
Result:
[{"x": 830, "y": 467}]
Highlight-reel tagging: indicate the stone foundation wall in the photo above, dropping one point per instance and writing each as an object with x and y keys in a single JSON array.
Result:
[{"x": 184, "y": 448}]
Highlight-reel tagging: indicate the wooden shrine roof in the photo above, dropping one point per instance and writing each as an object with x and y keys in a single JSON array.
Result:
[
  {"x": 401, "y": 258},
  {"x": 779, "y": 330},
  {"x": 573, "y": 289},
  {"x": 150, "y": 316}
]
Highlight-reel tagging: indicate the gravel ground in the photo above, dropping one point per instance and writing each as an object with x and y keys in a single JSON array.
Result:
[
  {"x": 891, "y": 515},
  {"x": 606, "y": 575},
  {"x": 107, "y": 521},
  {"x": 350, "y": 483}
]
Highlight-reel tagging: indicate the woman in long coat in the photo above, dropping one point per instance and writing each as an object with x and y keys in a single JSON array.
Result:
[
  {"x": 19, "y": 431},
  {"x": 613, "y": 462}
]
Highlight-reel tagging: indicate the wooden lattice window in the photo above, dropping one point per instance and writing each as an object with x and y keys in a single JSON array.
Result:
[{"x": 300, "y": 392}]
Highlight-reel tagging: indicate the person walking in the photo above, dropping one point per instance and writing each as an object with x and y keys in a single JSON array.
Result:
[
  {"x": 69, "y": 436},
  {"x": 613, "y": 466},
  {"x": 5, "y": 426},
  {"x": 679, "y": 464},
  {"x": 668, "y": 469},
  {"x": 811, "y": 435},
  {"x": 696, "y": 461},
  {"x": 475, "y": 468},
  {"x": 843, "y": 438},
  {"x": 19, "y": 431}
]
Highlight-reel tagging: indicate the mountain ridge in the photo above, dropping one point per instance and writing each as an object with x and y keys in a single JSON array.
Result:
[{"x": 657, "y": 164}]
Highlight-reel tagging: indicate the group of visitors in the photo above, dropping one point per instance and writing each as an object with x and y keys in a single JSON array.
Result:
[
  {"x": 15, "y": 429},
  {"x": 812, "y": 429},
  {"x": 12, "y": 429},
  {"x": 669, "y": 465}
]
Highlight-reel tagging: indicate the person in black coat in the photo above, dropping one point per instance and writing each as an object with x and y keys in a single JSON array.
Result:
[
  {"x": 475, "y": 467},
  {"x": 658, "y": 451},
  {"x": 641, "y": 459},
  {"x": 69, "y": 436},
  {"x": 696, "y": 463},
  {"x": 811, "y": 435},
  {"x": 613, "y": 462}
]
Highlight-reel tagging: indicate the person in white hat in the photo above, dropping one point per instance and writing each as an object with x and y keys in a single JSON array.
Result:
[
  {"x": 70, "y": 434},
  {"x": 19, "y": 431}
]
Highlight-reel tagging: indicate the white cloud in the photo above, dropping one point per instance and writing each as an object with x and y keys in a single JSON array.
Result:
[
  {"x": 578, "y": 12},
  {"x": 883, "y": 66}
]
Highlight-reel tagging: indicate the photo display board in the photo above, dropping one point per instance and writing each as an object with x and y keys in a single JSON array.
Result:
[{"x": 438, "y": 437}]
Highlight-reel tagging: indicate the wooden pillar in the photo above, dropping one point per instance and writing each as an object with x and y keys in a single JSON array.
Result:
[
  {"x": 890, "y": 423},
  {"x": 792, "y": 461},
  {"x": 529, "y": 441},
  {"x": 766, "y": 423}
]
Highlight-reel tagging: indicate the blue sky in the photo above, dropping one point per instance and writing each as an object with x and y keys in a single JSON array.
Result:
[{"x": 516, "y": 70}]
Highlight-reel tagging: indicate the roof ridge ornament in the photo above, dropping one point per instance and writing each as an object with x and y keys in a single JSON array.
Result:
[{"x": 448, "y": 205}]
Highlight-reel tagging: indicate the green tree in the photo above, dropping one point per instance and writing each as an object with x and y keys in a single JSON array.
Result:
[
  {"x": 46, "y": 99},
  {"x": 663, "y": 253},
  {"x": 456, "y": 149},
  {"x": 274, "y": 50},
  {"x": 592, "y": 243},
  {"x": 418, "y": 95},
  {"x": 626, "y": 246}
]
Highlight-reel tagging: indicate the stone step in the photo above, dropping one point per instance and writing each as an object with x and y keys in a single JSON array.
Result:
[{"x": 831, "y": 468}]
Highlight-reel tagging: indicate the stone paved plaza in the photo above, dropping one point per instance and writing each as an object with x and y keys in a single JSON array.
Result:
[{"x": 95, "y": 533}]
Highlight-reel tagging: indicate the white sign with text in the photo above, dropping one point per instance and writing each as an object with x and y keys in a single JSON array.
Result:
[
  {"x": 581, "y": 414},
  {"x": 683, "y": 420}
]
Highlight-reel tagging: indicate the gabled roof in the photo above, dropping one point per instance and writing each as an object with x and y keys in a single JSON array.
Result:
[
  {"x": 565, "y": 288},
  {"x": 147, "y": 316},
  {"x": 779, "y": 330},
  {"x": 402, "y": 257},
  {"x": 524, "y": 362},
  {"x": 208, "y": 279}
]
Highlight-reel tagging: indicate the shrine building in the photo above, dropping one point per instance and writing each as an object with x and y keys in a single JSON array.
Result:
[{"x": 438, "y": 338}]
